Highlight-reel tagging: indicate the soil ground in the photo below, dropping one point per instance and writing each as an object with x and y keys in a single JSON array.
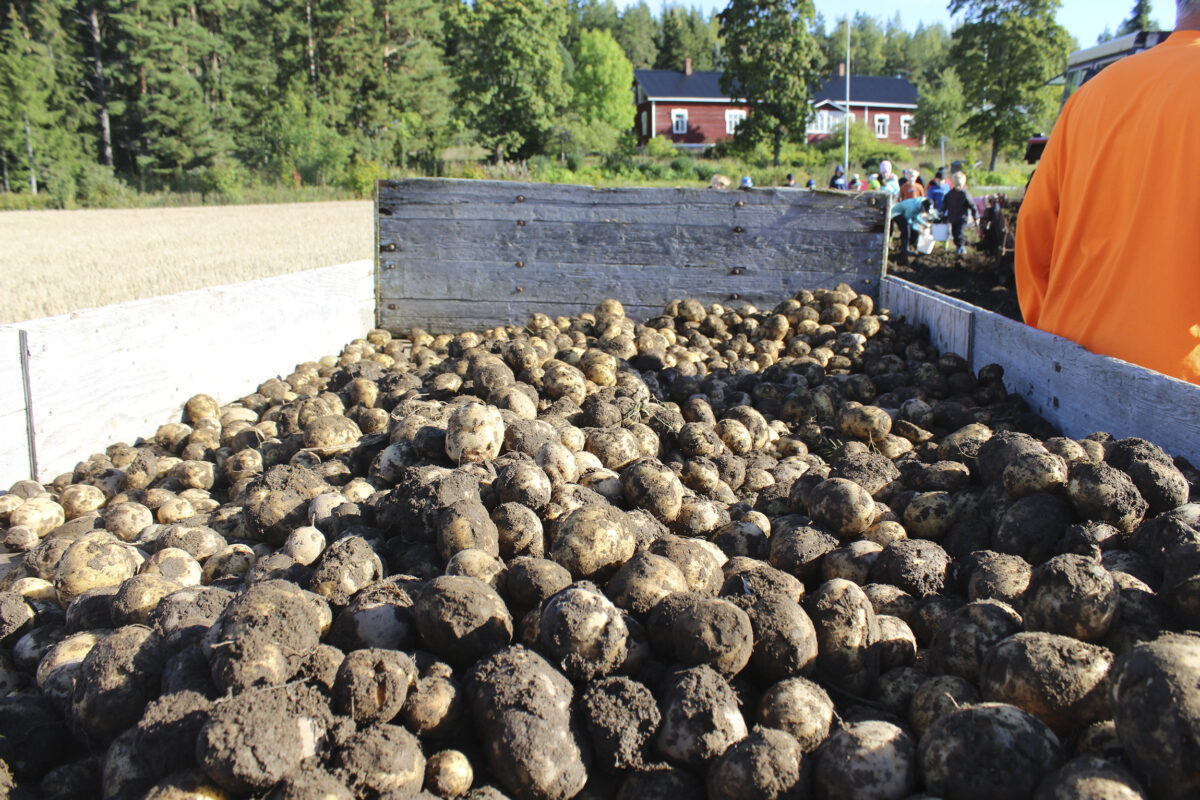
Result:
[{"x": 976, "y": 277}]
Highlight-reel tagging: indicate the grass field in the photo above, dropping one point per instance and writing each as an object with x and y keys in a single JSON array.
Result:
[{"x": 55, "y": 262}]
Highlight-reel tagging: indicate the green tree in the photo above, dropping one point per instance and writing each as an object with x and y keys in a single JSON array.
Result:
[
  {"x": 942, "y": 110},
  {"x": 637, "y": 33},
  {"x": 601, "y": 83},
  {"x": 927, "y": 53},
  {"x": 772, "y": 62},
  {"x": 895, "y": 47},
  {"x": 1139, "y": 19},
  {"x": 511, "y": 87},
  {"x": 686, "y": 33},
  {"x": 1004, "y": 51}
]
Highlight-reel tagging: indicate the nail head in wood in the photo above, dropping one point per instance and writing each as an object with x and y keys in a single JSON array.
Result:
[{"x": 520, "y": 264}]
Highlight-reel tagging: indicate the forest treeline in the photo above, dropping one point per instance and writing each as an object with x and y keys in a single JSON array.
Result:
[{"x": 205, "y": 95}]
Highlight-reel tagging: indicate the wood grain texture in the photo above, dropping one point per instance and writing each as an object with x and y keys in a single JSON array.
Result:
[
  {"x": 115, "y": 373},
  {"x": 949, "y": 320},
  {"x": 1074, "y": 389},
  {"x": 513, "y": 248},
  {"x": 14, "y": 436}
]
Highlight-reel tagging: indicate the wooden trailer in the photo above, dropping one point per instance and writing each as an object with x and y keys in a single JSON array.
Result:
[{"x": 455, "y": 255}]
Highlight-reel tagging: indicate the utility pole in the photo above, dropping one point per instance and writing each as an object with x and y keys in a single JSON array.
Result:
[{"x": 846, "y": 118}]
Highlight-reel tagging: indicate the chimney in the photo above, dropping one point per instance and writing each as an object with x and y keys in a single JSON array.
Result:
[
  {"x": 687, "y": 66},
  {"x": 841, "y": 69}
]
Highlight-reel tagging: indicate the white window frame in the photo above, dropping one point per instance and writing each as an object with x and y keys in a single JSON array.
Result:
[
  {"x": 881, "y": 131},
  {"x": 679, "y": 121},
  {"x": 733, "y": 118},
  {"x": 905, "y": 126}
]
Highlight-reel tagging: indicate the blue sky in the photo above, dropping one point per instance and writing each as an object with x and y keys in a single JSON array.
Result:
[{"x": 1084, "y": 19}]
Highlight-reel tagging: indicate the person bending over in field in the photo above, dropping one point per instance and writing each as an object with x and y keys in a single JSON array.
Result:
[
  {"x": 912, "y": 216},
  {"x": 1119, "y": 272}
]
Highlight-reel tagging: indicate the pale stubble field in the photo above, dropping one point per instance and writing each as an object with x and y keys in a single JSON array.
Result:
[{"x": 55, "y": 262}]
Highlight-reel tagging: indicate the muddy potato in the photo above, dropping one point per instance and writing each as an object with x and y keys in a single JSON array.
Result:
[
  {"x": 648, "y": 484},
  {"x": 1032, "y": 525},
  {"x": 583, "y": 632},
  {"x": 865, "y": 422},
  {"x": 999, "y": 576},
  {"x": 41, "y": 514},
  {"x": 766, "y": 765},
  {"x": 304, "y": 545},
  {"x": 700, "y": 717},
  {"x": 475, "y": 432},
  {"x": 522, "y": 707},
  {"x": 897, "y": 644},
  {"x": 851, "y": 562},
  {"x": 847, "y": 631},
  {"x": 961, "y": 641},
  {"x": 477, "y": 564},
  {"x": 524, "y": 483},
  {"x": 93, "y": 560},
  {"x": 874, "y": 759},
  {"x": 60, "y": 666},
  {"x": 448, "y": 773},
  {"x": 127, "y": 520},
  {"x": 937, "y": 696},
  {"x": 615, "y": 447},
  {"x": 138, "y": 596},
  {"x": 990, "y": 751},
  {"x": 1156, "y": 710},
  {"x": 435, "y": 706},
  {"x": 558, "y": 462},
  {"x": 175, "y": 565},
  {"x": 1100, "y": 492},
  {"x": 79, "y": 499},
  {"x": 1089, "y": 777},
  {"x": 118, "y": 676},
  {"x": 702, "y": 630},
  {"x": 372, "y": 685},
  {"x": 530, "y": 581},
  {"x": 462, "y": 619},
  {"x": 799, "y": 707},
  {"x": 593, "y": 542},
  {"x": 930, "y": 515},
  {"x": 1072, "y": 595},
  {"x": 799, "y": 550},
  {"x": 1061, "y": 680},
  {"x": 700, "y": 565},
  {"x": 1034, "y": 471},
  {"x": 916, "y": 566},
  {"x": 643, "y": 580},
  {"x": 842, "y": 506}
]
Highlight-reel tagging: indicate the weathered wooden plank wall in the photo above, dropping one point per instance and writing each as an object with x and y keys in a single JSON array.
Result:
[
  {"x": 14, "y": 435},
  {"x": 460, "y": 254},
  {"x": 115, "y": 373},
  {"x": 1074, "y": 389}
]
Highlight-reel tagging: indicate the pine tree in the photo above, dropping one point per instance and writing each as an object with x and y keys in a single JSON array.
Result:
[
  {"x": 638, "y": 35},
  {"x": 1139, "y": 19}
]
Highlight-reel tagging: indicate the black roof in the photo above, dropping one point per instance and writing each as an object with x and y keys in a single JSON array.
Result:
[
  {"x": 867, "y": 89},
  {"x": 675, "y": 83}
]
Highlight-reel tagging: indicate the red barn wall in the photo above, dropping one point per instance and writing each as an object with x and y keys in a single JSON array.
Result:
[{"x": 706, "y": 121}]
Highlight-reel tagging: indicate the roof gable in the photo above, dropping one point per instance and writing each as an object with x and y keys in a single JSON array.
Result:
[
  {"x": 867, "y": 89},
  {"x": 700, "y": 85}
]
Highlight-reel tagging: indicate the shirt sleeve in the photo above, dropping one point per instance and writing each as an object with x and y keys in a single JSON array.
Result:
[{"x": 1037, "y": 222}]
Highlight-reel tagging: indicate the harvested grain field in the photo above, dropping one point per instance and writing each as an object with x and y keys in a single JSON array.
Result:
[{"x": 54, "y": 262}]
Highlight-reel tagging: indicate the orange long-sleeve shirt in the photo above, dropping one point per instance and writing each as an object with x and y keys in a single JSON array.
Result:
[{"x": 1108, "y": 237}]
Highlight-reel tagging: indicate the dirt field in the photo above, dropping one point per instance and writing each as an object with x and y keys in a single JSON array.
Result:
[{"x": 54, "y": 262}]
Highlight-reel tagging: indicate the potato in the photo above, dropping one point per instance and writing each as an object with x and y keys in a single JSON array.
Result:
[
  {"x": 897, "y": 644},
  {"x": 435, "y": 706},
  {"x": 851, "y": 562},
  {"x": 695, "y": 630},
  {"x": 530, "y": 581},
  {"x": 799, "y": 550},
  {"x": 1031, "y": 526},
  {"x": 938, "y": 695},
  {"x": 465, "y": 524},
  {"x": 79, "y": 499},
  {"x": 347, "y": 566},
  {"x": 583, "y": 632},
  {"x": 930, "y": 515},
  {"x": 700, "y": 717},
  {"x": 372, "y": 685},
  {"x": 96, "y": 559},
  {"x": 1072, "y": 595},
  {"x": 961, "y": 641},
  {"x": 1061, "y": 680},
  {"x": 916, "y": 566},
  {"x": 118, "y": 676},
  {"x": 648, "y": 484},
  {"x": 842, "y": 506},
  {"x": 448, "y": 773},
  {"x": 799, "y": 707},
  {"x": 1161, "y": 744},
  {"x": 988, "y": 751},
  {"x": 462, "y": 619},
  {"x": 766, "y": 764},
  {"x": 847, "y": 631},
  {"x": 643, "y": 580},
  {"x": 866, "y": 759},
  {"x": 1090, "y": 778},
  {"x": 1100, "y": 492},
  {"x": 593, "y": 542},
  {"x": 522, "y": 706},
  {"x": 622, "y": 719},
  {"x": 41, "y": 514},
  {"x": 999, "y": 576},
  {"x": 701, "y": 567},
  {"x": 250, "y": 741}
]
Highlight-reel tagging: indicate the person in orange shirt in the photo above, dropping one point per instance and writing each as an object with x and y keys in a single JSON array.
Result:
[
  {"x": 909, "y": 188},
  {"x": 1118, "y": 271}
]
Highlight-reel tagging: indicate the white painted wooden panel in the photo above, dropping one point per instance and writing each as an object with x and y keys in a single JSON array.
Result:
[
  {"x": 14, "y": 438},
  {"x": 1081, "y": 392},
  {"x": 115, "y": 373},
  {"x": 949, "y": 320}
]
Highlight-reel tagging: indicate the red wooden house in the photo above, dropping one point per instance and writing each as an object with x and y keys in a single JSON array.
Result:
[
  {"x": 688, "y": 106},
  {"x": 885, "y": 105}
]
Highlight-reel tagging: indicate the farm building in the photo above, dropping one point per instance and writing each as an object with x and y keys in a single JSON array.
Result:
[
  {"x": 687, "y": 105},
  {"x": 886, "y": 105}
]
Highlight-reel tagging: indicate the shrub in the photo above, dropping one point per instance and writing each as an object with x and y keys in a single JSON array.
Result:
[
  {"x": 659, "y": 147},
  {"x": 681, "y": 165}
]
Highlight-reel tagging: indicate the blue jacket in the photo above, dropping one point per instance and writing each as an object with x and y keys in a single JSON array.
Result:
[{"x": 937, "y": 193}]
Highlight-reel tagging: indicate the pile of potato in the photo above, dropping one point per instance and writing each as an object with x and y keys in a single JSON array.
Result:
[{"x": 727, "y": 553}]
